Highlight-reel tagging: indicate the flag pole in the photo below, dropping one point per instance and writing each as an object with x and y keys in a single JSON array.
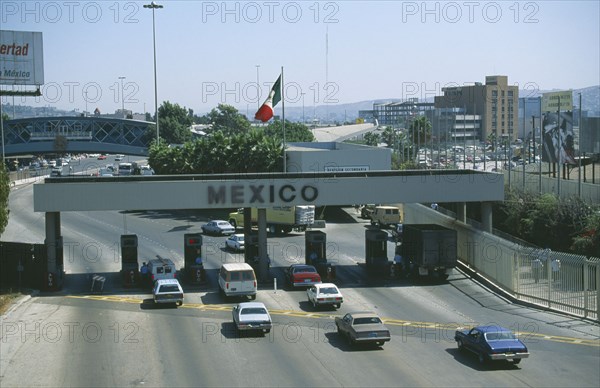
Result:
[{"x": 283, "y": 120}]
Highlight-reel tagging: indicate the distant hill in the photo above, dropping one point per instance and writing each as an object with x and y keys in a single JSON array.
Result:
[
  {"x": 334, "y": 112},
  {"x": 349, "y": 112}
]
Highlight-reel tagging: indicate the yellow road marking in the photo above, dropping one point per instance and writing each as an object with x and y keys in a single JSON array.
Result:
[{"x": 312, "y": 315}]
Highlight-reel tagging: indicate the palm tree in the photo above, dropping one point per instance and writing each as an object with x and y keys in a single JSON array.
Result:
[{"x": 420, "y": 131}]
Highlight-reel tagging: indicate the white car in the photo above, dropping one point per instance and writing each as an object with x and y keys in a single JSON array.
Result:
[
  {"x": 218, "y": 227},
  {"x": 325, "y": 294},
  {"x": 168, "y": 291},
  {"x": 252, "y": 316},
  {"x": 235, "y": 242}
]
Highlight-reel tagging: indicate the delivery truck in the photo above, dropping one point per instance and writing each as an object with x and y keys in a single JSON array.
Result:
[
  {"x": 430, "y": 249},
  {"x": 280, "y": 220}
]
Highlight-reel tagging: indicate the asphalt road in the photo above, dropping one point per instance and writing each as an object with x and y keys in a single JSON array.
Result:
[{"x": 119, "y": 338}]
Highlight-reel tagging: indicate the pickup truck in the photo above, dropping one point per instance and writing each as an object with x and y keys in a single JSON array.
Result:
[{"x": 491, "y": 343}]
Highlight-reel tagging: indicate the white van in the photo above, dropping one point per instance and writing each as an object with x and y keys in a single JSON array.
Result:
[
  {"x": 237, "y": 279},
  {"x": 383, "y": 216},
  {"x": 161, "y": 269}
]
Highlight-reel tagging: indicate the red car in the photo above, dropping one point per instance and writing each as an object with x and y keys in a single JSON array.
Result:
[
  {"x": 301, "y": 275},
  {"x": 101, "y": 157}
]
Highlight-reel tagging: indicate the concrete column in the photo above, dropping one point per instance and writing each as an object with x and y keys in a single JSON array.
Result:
[
  {"x": 54, "y": 247},
  {"x": 486, "y": 217},
  {"x": 461, "y": 212},
  {"x": 262, "y": 245}
]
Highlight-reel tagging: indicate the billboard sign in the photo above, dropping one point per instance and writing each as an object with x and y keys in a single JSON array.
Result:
[
  {"x": 558, "y": 138},
  {"x": 550, "y": 101},
  {"x": 21, "y": 58}
]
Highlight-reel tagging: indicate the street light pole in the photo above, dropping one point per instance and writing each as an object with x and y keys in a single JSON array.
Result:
[
  {"x": 154, "y": 6},
  {"x": 303, "y": 121},
  {"x": 257, "y": 89},
  {"x": 122, "y": 97}
]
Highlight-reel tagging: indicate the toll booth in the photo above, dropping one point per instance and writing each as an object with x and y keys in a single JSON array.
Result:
[
  {"x": 130, "y": 273},
  {"x": 315, "y": 254},
  {"x": 193, "y": 260},
  {"x": 376, "y": 259},
  {"x": 251, "y": 249}
]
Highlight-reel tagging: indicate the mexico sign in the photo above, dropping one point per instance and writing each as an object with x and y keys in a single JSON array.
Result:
[{"x": 21, "y": 58}]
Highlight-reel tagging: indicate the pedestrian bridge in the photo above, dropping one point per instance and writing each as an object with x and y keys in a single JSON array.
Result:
[{"x": 44, "y": 135}]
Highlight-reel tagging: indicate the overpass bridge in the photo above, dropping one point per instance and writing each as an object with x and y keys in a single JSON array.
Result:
[{"x": 45, "y": 135}]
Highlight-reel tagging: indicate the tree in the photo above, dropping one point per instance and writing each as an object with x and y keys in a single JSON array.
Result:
[
  {"x": 371, "y": 138},
  {"x": 587, "y": 241},
  {"x": 227, "y": 119},
  {"x": 174, "y": 123},
  {"x": 420, "y": 131},
  {"x": 4, "y": 191},
  {"x": 389, "y": 137},
  {"x": 243, "y": 152},
  {"x": 294, "y": 132}
]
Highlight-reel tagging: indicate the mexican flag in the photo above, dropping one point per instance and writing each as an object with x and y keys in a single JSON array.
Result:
[{"x": 266, "y": 112}]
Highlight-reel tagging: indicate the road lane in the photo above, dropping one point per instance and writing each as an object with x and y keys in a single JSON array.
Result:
[{"x": 303, "y": 349}]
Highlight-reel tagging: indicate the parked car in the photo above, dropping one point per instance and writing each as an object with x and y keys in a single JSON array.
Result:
[
  {"x": 218, "y": 227},
  {"x": 491, "y": 343},
  {"x": 252, "y": 316},
  {"x": 168, "y": 291},
  {"x": 301, "y": 275},
  {"x": 325, "y": 294},
  {"x": 362, "y": 327},
  {"x": 235, "y": 242}
]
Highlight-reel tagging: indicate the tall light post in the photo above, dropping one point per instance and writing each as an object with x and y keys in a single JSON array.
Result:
[
  {"x": 257, "y": 89},
  {"x": 303, "y": 121},
  {"x": 154, "y": 6},
  {"x": 122, "y": 96}
]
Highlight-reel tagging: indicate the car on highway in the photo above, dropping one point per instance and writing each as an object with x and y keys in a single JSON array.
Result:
[
  {"x": 118, "y": 158},
  {"x": 235, "y": 242},
  {"x": 362, "y": 327},
  {"x": 491, "y": 343},
  {"x": 218, "y": 227},
  {"x": 56, "y": 171},
  {"x": 101, "y": 157},
  {"x": 105, "y": 172},
  {"x": 168, "y": 291},
  {"x": 302, "y": 275},
  {"x": 146, "y": 170},
  {"x": 325, "y": 294},
  {"x": 252, "y": 316}
]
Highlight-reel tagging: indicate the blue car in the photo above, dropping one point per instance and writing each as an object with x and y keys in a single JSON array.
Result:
[{"x": 491, "y": 343}]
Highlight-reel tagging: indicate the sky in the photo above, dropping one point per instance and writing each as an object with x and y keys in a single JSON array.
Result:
[{"x": 331, "y": 52}]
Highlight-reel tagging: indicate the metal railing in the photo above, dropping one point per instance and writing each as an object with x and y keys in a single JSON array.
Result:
[{"x": 559, "y": 281}]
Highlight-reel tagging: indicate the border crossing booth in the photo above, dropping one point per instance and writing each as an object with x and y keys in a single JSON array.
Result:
[
  {"x": 376, "y": 259},
  {"x": 193, "y": 260},
  {"x": 315, "y": 253},
  {"x": 130, "y": 273}
]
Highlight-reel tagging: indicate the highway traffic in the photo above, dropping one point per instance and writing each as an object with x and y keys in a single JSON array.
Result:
[{"x": 120, "y": 338}]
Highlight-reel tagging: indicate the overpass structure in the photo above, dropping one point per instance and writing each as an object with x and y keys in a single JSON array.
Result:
[
  {"x": 260, "y": 190},
  {"x": 44, "y": 135}
]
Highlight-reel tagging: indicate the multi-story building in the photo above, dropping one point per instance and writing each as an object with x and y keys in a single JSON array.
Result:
[
  {"x": 495, "y": 102},
  {"x": 400, "y": 114}
]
